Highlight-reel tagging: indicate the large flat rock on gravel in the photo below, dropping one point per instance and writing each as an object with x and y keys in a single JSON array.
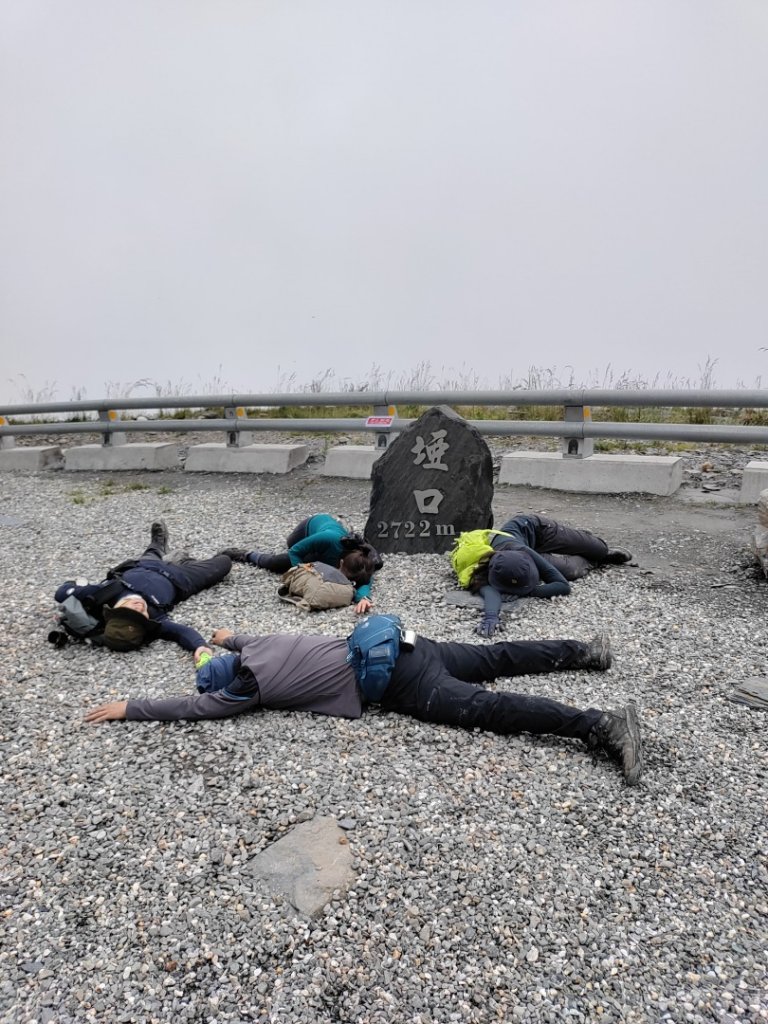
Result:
[{"x": 307, "y": 865}]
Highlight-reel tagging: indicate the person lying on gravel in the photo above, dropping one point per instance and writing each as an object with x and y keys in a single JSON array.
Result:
[
  {"x": 321, "y": 538},
  {"x": 142, "y": 593},
  {"x": 431, "y": 681},
  {"x": 535, "y": 557}
]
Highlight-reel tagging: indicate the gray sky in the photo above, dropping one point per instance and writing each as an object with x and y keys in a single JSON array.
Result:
[{"x": 229, "y": 193}]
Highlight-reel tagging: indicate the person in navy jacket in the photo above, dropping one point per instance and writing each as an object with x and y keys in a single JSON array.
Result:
[{"x": 142, "y": 593}]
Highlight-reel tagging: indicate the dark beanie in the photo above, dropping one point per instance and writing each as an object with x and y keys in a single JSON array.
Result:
[
  {"x": 126, "y": 629},
  {"x": 513, "y": 572}
]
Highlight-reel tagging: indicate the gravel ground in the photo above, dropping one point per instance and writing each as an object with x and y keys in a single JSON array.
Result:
[{"x": 500, "y": 879}]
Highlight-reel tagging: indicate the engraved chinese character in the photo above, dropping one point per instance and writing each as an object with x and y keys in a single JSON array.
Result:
[
  {"x": 428, "y": 502},
  {"x": 431, "y": 451}
]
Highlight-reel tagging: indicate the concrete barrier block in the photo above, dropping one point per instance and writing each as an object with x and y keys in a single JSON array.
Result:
[
  {"x": 598, "y": 474},
  {"x": 146, "y": 456},
  {"x": 31, "y": 459},
  {"x": 253, "y": 458},
  {"x": 354, "y": 462},
  {"x": 754, "y": 480}
]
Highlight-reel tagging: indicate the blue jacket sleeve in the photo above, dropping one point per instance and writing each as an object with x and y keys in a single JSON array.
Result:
[
  {"x": 491, "y": 600},
  {"x": 553, "y": 583},
  {"x": 70, "y": 588},
  {"x": 184, "y": 636}
]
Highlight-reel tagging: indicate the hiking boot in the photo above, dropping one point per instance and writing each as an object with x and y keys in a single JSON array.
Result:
[
  {"x": 618, "y": 734},
  {"x": 236, "y": 554},
  {"x": 617, "y": 556},
  {"x": 159, "y": 535},
  {"x": 596, "y": 656}
]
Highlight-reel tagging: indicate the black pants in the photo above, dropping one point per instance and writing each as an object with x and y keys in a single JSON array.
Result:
[
  {"x": 281, "y": 562},
  {"x": 190, "y": 575},
  {"x": 439, "y": 682},
  {"x": 572, "y": 552}
]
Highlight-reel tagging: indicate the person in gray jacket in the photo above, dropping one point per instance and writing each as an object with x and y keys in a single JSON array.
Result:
[{"x": 431, "y": 681}]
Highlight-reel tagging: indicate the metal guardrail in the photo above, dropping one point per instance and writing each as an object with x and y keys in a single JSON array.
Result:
[{"x": 577, "y": 429}]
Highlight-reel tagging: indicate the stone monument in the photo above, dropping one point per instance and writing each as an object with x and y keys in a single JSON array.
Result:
[{"x": 435, "y": 481}]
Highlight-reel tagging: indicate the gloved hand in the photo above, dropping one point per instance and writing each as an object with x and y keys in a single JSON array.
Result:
[
  {"x": 236, "y": 554},
  {"x": 487, "y": 625}
]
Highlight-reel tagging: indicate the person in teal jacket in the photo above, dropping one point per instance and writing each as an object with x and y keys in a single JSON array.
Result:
[{"x": 322, "y": 538}]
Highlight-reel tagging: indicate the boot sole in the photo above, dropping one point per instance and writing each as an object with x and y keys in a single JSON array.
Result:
[{"x": 634, "y": 771}]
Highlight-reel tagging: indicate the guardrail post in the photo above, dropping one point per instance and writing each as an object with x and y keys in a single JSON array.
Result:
[
  {"x": 577, "y": 447},
  {"x": 382, "y": 419},
  {"x": 6, "y": 440},
  {"x": 235, "y": 438},
  {"x": 111, "y": 438}
]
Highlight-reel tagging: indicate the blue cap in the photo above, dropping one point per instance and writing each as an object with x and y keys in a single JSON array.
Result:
[
  {"x": 218, "y": 673},
  {"x": 513, "y": 572}
]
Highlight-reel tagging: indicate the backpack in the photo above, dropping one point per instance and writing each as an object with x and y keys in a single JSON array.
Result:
[
  {"x": 470, "y": 548},
  {"x": 315, "y": 586},
  {"x": 82, "y": 621},
  {"x": 374, "y": 645}
]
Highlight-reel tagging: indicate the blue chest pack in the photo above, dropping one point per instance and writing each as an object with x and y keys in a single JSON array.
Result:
[{"x": 374, "y": 645}]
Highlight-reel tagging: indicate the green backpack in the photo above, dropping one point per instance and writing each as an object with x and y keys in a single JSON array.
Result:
[{"x": 470, "y": 548}]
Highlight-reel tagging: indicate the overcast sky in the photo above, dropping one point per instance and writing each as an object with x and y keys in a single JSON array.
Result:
[{"x": 245, "y": 193}]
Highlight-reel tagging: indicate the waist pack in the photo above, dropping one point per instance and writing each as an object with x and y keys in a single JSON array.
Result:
[
  {"x": 470, "y": 548},
  {"x": 374, "y": 645},
  {"x": 314, "y": 586}
]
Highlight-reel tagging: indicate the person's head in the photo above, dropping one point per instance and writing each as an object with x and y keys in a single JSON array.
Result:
[
  {"x": 127, "y": 625},
  {"x": 360, "y": 559},
  {"x": 511, "y": 571},
  {"x": 134, "y": 601},
  {"x": 358, "y": 567}
]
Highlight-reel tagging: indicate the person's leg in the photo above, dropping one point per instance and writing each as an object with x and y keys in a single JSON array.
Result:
[
  {"x": 299, "y": 533},
  {"x": 423, "y": 687},
  {"x": 280, "y": 562},
  {"x": 572, "y": 567},
  {"x": 554, "y": 537},
  {"x": 196, "y": 574},
  {"x": 453, "y": 702},
  {"x": 158, "y": 544},
  {"x": 274, "y": 563},
  {"x": 481, "y": 663}
]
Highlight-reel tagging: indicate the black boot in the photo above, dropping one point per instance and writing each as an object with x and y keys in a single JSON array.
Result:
[
  {"x": 618, "y": 734},
  {"x": 617, "y": 556},
  {"x": 596, "y": 656},
  {"x": 160, "y": 535},
  {"x": 236, "y": 554}
]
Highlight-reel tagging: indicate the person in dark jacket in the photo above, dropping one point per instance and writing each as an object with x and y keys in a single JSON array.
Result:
[
  {"x": 536, "y": 557},
  {"x": 322, "y": 538},
  {"x": 431, "y": 681},
  {"x": 142, "y": 593}
]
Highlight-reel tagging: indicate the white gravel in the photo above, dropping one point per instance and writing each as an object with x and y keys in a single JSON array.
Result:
[{"x": 500, "y": 879}]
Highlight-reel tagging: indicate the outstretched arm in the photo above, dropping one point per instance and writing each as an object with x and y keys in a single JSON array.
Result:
[
  {"x": 553, "y": 583},
  {"x": 114, "y": 712},
  {"x": 184, "y": 636},
  {"x": 173, "y": 709},
  {"x": 491, "y": 611}
]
